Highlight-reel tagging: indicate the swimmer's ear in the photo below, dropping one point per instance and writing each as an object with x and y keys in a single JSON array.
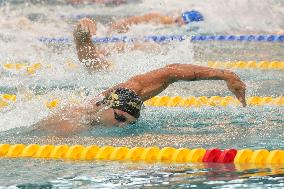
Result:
[{"x": 24, "y": 92}]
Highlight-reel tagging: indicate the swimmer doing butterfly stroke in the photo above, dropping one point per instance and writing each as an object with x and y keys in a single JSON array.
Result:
[{"x": 121, "y": 104}]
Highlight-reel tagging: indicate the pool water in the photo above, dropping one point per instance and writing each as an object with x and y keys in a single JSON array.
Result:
[{"x": 260, "y": 127}]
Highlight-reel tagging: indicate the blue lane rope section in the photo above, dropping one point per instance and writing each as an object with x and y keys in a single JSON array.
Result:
[
  {"x": 168, "y": 38},
  {"x": 77, "y": 16}
]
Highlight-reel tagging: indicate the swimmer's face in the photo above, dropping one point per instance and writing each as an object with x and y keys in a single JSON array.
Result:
[{"x": 110, "y": 117}]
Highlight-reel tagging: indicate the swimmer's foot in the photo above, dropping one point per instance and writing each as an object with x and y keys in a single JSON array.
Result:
[{"x": 84, "y": 31}]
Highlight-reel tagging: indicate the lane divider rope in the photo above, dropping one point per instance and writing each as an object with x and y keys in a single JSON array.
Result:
[
  {"x": 169, "y": 38},
  {"x": 174, "y": 101},
  {"x": 145, "y": 154},
  {"x": 264, "y": 65},
  {"x": 7, "y": 99},
  {"x": 31, "y": 69},
  {"x": 192, "y": 101}
]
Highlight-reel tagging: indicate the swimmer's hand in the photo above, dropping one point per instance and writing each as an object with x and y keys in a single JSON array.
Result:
[
  {"x": 84, "y": 30},
  {"x": 237, "y": 87}
]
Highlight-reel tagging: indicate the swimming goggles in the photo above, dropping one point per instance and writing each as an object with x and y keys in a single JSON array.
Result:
[{"x": 121, "y": 118}]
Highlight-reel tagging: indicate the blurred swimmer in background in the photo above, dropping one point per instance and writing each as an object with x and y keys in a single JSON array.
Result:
[
  {"x": 122, "y": 26},
  {"x": 93, "y": 56}
]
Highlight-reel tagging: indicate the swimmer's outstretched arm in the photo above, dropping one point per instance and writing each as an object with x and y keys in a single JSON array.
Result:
[
  {"x": 150, "y": 84},
  {"x": 122, "y": 26}
]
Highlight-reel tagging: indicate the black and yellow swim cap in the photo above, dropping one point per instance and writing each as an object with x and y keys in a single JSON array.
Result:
[{"x": 125, "y": 100}]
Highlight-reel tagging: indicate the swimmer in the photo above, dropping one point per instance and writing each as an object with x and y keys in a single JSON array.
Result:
[
  {"x": 120, "y": 105},
  {"x": 93, "y": 56},
  {"x": 123, "y": 25}
]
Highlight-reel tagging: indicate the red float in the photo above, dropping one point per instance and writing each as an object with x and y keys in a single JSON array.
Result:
[
  {"x": 212, "y": 155},
  {"x": 227, "y": 156}
]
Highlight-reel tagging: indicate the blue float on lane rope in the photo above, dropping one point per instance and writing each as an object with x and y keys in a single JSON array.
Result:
[{"x": 169, "y": 38}]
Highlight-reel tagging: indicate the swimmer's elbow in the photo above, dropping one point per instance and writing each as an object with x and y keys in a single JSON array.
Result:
[
  {"x": 172, "y": 73},
  {"x": 178, "y": 72}
]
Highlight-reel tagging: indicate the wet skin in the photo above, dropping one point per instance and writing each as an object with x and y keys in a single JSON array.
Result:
[{"x": 147, "y": 85}]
